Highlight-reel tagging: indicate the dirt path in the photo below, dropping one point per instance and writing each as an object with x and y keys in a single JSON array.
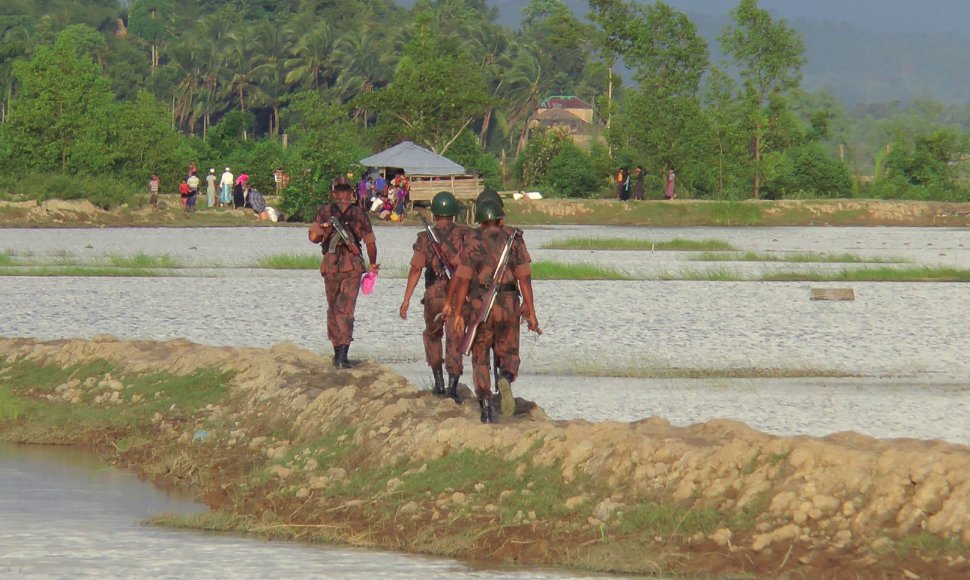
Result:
[
  {"x": 287, "y": 446},
  {"x": 836, "y": 212}
]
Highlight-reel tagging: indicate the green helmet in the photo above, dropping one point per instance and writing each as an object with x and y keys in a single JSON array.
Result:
[
  {"x": 490, "y": 195},
  {"x": 486, "y": 211},
  {"x": 444, "y": 203}
]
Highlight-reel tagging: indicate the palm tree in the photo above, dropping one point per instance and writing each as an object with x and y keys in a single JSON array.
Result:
[
  {"x": 524, "y": 85},
  {"x": 241, "y": 58},
  {"x": 274, "y": 49},
  {"x": 185, "y": 58},
  {"x": 16, "y": 45},
  {"x": 493, "y": 50},
  {"x": 364, "y": 63},
  {"x": 311, "y": 60}
]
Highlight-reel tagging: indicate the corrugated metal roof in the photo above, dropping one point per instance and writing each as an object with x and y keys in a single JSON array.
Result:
[{"x": 414, "y": 159}]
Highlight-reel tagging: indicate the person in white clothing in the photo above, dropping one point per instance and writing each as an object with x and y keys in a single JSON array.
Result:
[{"x": 225, "y": 196}]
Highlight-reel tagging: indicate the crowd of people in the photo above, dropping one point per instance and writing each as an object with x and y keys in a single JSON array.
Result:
[
  {"x": 478, "y": 287},
  {"x": 224, "y": 191},
  {"x": 630, "y": 185},
  {"x": 387, "y": 199}
]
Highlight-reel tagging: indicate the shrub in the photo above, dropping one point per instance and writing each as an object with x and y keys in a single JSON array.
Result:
[{"x": 572, "y": 173}]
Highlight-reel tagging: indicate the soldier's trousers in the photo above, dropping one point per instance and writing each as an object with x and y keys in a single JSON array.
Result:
[
  {"x": 501, "y": 334},
  {"x": 341, "y": 289},
  {"x": 434, "y": 329}
]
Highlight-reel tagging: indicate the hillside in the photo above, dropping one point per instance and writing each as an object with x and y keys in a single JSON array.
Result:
[{"x": 863, "y": 52}]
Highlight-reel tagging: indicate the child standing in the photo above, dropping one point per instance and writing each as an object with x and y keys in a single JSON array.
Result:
[
  {"x": 153, "y": 192},
  {"x": 184, "y": 191}
]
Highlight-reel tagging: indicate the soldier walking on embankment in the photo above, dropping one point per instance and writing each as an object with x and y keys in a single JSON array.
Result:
[
  {"x": 342, "y": 264},
  {"x": 493, "y": 269},
  {"x": 436, "y": 251}
]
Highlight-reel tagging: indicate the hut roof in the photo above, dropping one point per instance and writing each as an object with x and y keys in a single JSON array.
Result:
[{"x": 414, "y": 159}]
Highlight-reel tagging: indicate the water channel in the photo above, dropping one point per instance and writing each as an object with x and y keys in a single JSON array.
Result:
[{"x": 901, "y": 345}]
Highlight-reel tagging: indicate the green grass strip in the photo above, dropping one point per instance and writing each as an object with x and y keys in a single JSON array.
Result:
[
  {"x": 884, "y": 274},
  {"x": 674, "y": 245},
  {"x": 145, "y": 261},
  {"x": 661, "y": 372},
  {"x": 543, "y": 270},
  {"x": 289, "y": 262},
  {"x": 90, "y": 271},
  {"x": 795, "y": 257}
]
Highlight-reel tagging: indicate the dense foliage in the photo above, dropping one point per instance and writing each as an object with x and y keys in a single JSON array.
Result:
[{"x": 110, "y": 90}]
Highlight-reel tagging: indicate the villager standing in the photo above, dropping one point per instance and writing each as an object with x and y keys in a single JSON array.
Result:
[
  {"x": 638, "y": 177},
  {"x": 623, "y": 184},
  {"x": 153, "y": 192},
  {"x": 210, "y": 187},
  {"x": 342, "y": 265},
  {"x": 193, "y": 182},
  {"x": 670, "y": 189},
  {"x": 225, "y": 183},
  {"x": 480, "y": 271},
  {"x": 438, "y": 257}
]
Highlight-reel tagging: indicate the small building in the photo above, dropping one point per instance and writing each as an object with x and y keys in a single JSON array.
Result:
[
  {"x": 568, "y": 104},
  {"x": 567, "y": 113}
]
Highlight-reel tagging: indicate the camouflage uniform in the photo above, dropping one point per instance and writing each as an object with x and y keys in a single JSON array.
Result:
[
  {"x": 451, "y": 238},
  {"x": 479, "y": 258},
  {"x": 341, "y": 269}
]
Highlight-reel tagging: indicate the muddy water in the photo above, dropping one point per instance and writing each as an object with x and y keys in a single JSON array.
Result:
[
  {"x": 904, "y": 343},
  {"x": 66, "y": 516}
]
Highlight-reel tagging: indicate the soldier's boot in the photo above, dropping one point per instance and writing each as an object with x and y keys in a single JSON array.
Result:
[
  {"x": 453, "y": 387},
  {"x": 343, "y": 363},
  {"x": 486, "y": 405},
  {"x": 505, "y": 388},
  {"x": 336, "y": 356},
  {"x": 439, "y": 381}
]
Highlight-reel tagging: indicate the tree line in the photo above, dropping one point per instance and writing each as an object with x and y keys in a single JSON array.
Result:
[{"x": 95, "y": 91}]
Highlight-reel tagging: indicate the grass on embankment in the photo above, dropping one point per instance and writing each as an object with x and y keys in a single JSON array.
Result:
[
  {"x": 622, "y": 244},
  {"x": 485, "y": 499},
  {"x": 665, "y": 372},
  {"x": 64, "y": 263},
  {"x": 33, "y": 398},
  {"x": 800, "y": 257},
  {"x": 883, "y": 274}
]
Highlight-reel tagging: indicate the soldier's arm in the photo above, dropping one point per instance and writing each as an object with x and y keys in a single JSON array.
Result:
[
  {"x": 371, "y": 242},
  {"x": 414, "y": 274},
  {"x": 366, "y": 235},
  {"x": 523, "y": 275},
  {"x": 318, "y": 230}
]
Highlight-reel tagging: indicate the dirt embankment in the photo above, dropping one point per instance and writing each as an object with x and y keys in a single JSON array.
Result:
[
  {"x": 364, "y": 457},
  {"x": 834, "y": 212}
]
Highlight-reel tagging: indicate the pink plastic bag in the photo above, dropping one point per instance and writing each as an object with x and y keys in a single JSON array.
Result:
[{"x": 368, "y": 282}]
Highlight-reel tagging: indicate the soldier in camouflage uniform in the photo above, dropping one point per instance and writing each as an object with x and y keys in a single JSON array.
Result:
[
  {"x": 444, "y": 208},
  {"x": 342, "y": 265},
  {"x": 500, "y": 331}
]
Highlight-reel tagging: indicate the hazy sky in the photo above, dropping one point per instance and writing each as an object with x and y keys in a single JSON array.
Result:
[{"x": 881, "y": 15}]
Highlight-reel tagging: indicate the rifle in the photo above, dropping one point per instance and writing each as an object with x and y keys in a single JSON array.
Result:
[
  {"x": 488, "y": 301},
  {"x": 436, "y": 246},
  {"x": 345, "y": 236}
]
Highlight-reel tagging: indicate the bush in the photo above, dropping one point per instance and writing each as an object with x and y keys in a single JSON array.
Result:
[
  {"x": 572, "y": 173},
  {"x": 805, "y": 171},
  {"x": 468, "y": 152}
]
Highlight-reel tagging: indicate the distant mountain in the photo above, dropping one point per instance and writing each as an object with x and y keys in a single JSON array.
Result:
[
  {"x": 929, "y": 16},
  {"x": 860, "y": 50}
]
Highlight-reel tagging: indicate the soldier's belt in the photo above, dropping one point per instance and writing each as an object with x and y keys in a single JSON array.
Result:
[{"x": 507, "y": 287}]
